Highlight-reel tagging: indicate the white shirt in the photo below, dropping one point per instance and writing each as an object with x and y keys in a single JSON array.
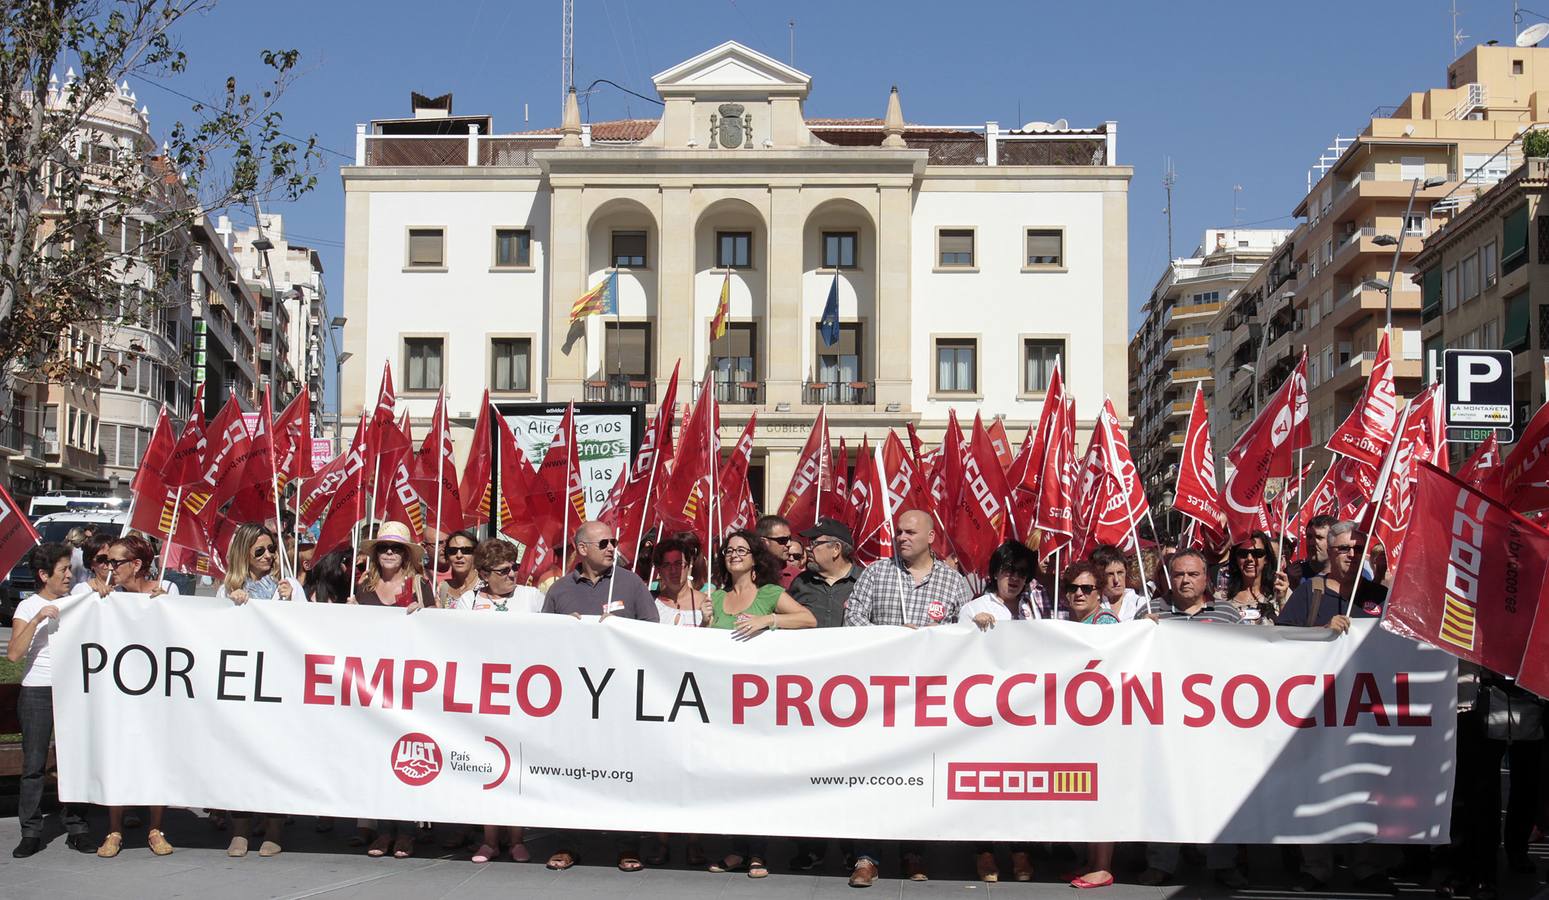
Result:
[
  {"x": 37, "y": 669},
  {"x": 525, "y": 599},
  {"x": 671, "y": 615},
  {"x": 1128, "y": 607},
  {"x": 84, "y": 587},
  {"x": 989, "y": 603}
]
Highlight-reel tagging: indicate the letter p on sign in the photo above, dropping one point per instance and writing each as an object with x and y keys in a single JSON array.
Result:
[
  {"x": 1478, "y": 388},
  {"x": 1476, "y": 370}
]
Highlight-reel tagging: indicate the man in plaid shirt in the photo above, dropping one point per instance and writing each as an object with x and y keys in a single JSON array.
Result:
[{"x": 913, "y": 589}]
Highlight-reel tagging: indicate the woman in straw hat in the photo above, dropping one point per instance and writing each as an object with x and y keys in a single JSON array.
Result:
[{"x": 395, "y": 571}]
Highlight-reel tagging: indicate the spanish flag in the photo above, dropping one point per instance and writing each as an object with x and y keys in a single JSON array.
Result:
[
  {"x": 722, "y": 311},
  {"x": 604, "y": 299}
]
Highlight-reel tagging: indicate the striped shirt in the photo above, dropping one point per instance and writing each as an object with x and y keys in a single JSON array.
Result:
[
  {"x": 886, "y": 594},
  {"x": 1224, "y": 613}
]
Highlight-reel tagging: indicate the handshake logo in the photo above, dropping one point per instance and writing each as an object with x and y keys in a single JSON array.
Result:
[{"x": 416, "y": 759}]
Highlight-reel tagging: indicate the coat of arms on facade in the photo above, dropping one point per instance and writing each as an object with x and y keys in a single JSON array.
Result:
[{"x": 731, "y": 128}]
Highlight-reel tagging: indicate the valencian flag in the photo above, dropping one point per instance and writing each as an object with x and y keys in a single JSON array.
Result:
[
  {"x": 602, "y": 299},
  {"x": 1368, "y": 431},
  {"x": 828, "y": 325},
  {"x": 434, "y": 474},
  {"x": 1525, "y": 482},
  {"x": 799, "y": 506},
  {"x": 1267, "y": 449},
  {"x": 722, "y": 310},
  {"x": 630, "y": 507},
  {"x": 1471, "y": 581},
  {"x": 1195, "y": 493}
]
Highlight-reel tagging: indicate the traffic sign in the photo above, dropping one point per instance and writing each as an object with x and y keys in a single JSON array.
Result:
[{"x": 1479, "y": 388}]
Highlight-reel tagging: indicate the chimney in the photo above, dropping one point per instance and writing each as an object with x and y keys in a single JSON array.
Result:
[{"x": 430, "y": 107}]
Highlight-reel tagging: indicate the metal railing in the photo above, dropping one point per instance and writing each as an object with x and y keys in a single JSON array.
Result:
[
  {"x": 621, "y": 389},
  {"x": 746, "y": 393},
  {"x": 839, "y": 393}
]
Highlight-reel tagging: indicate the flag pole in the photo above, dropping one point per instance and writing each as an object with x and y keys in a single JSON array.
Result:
[
  {"x": 177, "y": 507},
  {"x": 1382, "y": 490},
  {"x": 274, "y": 485},
  {"x": 435, "y": 549}
]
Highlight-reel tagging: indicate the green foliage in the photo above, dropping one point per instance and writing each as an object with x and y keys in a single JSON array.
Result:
[
  {"x": 1535, "y": 144},
  {"x": 77, "y": 163}
]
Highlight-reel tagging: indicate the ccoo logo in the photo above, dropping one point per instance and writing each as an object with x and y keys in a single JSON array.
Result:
[{"x": 416, "y": 759}]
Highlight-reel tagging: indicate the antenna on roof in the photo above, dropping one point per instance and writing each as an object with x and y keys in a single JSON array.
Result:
[
  {"x": 566, "y": 50},
  {"x": 1458, "y": 37},
  {"x": 792, "y": 24},
  {"x": 1236, "y": 204},
  {"x": 1169, "y": 178}
]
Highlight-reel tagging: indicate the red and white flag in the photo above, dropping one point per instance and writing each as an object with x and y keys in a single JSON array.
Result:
[
  {"x": 1113, "y": 500},
  {"x": 292, "y": 435},
  {"x": 1056, "y": 516},
  {"x": 1421, "y": 440},
  {"x": 1485, "y": 471},
  {"x": 738, "y": 510},
  {"x": 686, "y": 503},
  {"x": 434, "y": 474},
  {"x": 1526, "y": 479},
  {"x": 799, "y": 506},
  {"x": 1196, "y": 495},
  {"x": 1369, "y": 429},
  {"x": 630, "y": 507},
  {"x": 343, "y": 483},
  {"x": 873, "y": 531},
  {"x": 979, "y": 519},
  {"x": 901, "y": 477},
  {"x": 1267, "y": 449}
]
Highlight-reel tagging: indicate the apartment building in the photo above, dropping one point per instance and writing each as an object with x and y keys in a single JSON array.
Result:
[
  {"x": 225, "y": 320},
  {"x": 1252, "y": 346},
  {"x": 1439, "y": 144},
  {"x": 292, "y": 308},
  {"x": 1177, "y": 345},
  {"x": 1484, "y": 279},
  {"x": 966, "y": 260}
]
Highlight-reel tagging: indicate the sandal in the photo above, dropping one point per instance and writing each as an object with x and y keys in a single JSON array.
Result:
[
  {"x": 238, "y": 847},
  {"x": 269, "y": 849},
  {"x": 731, "y": 863},
  {"x": 629, "y": 863},
  {"x": 485, "y": 853},
  {"x": 403, "y": 847},
  {"x": 379, "y": 847},
  {"x": 111, "y": 844},
  {"x": 1021, "y": 866},
  {"x": 519, "y": 853},
  {"x": 158, "y": 843},
  {"x": 756, "y": 868},
  {"x": 562, "y": 860}
]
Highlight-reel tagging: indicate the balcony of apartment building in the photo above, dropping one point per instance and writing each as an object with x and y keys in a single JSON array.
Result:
[
  {"x": 1184, "y": 311},
  {"x": 1354, "y": 369},
  {"x": 1198, "y": 372},
  {"x": 1178, "y": 346},
  {"x": 1353, "y": 246},
  {"x": 1356, "y": 303}
]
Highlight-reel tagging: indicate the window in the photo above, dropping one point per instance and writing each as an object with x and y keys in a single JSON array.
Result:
[
  {"x": 627, "y": 350},
  {"x": 1517, "y": 318},
  {"x": 1487, "y": 264},
  {"x": 513, "y": 247},
  {"x": 427, "y": 248},
  {"x": 733, "y": 250},
  {"x": 1409, "y": 343},
  {"x": 1045, "y": 247},
  {"x": 841, "y": 362},
  {"x": 1484, "y": 168},
  {"x": 1039, "y": 356},
  {"x": 736, "y": 363},
  {"x": 1468, "y": 278},
  {"x": 1314, "y": 314},
  {"x": 1516, "y": 67},
  {"x": 957, "y": 365},
  {"x": 1430, "y": 294},
  {"x": 629, "y": 250},
  {"x": 1328, "y": 251},
  {"x": 1314, "y": 372},
  {"x": 422, "y": 363},
  {"x": 1449, "y": 290},
  {"x": 839, "y": 249},
  {"x": 1411, "y": 167},
  {"x": 510, "y": 364},
  {"x": 70, "y": 432},
  {"x": 955, "y": 248},
  {"x": 1514, "y": 240},
  {"x": 1414, "y": 223},
  {"x": 1490, "y": 334},
  {"x": 1328, "y": 362}
]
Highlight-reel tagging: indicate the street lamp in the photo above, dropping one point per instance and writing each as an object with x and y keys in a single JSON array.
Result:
[
  {"x": 339, "y": 360},
  {"x": 1397, "y": 243}
]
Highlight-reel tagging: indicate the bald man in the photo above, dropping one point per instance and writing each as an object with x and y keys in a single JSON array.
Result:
[
  {"x": 596, "y": 585},
  {"x": 913, "y": 588}
]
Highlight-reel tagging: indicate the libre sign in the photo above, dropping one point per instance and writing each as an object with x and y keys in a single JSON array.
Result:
[{"x": 1479, "y": 388}]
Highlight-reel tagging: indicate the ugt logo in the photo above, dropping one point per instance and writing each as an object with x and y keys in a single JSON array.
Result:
[{"x": 416, "y": 759}]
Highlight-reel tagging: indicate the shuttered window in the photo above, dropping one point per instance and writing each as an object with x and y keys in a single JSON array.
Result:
[
  {"x": 955, "y": 248},
  {"x": 427, "y": 248},
  {"x": 628, "y": 349},
  {"x": 1430, "y": 294},
  {"x": 1517, "y": 319},
  {"x": 1045, "y": 247},
  {"x": 1514, "y": 240}
]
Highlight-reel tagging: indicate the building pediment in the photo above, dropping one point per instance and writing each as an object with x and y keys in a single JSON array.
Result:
[{"x": 732, "y": 69}]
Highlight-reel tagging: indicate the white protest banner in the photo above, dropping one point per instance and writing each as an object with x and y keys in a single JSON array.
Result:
[
  {"x": 1033, "y": 731},
  {"x": 602, "y": 445}
]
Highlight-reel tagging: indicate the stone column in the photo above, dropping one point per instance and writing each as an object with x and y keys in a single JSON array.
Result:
[
  {"x": 676, "y": 329},
  {"x": 889, "y": 343},
  {"x": 785, "y": 329},
  {"x": 566, "y": 257}
]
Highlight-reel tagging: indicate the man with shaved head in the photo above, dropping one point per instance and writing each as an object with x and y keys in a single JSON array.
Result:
[
  {"x": 596, "y": 586},
  {"x": 912, "y": 589}
]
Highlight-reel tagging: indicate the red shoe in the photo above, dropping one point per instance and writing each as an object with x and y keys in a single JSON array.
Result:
[{"x": 1082, "y": 883}]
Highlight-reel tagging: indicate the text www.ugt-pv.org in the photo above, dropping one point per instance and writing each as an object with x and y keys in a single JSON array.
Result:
[{"x": 581, "y": 773}]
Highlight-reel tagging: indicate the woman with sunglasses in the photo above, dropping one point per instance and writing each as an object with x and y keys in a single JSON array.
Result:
[
  {"x": 250, "y": 569},
  {"x": 1085, "y": 603},
  {"x": 130, "y": 561},
  {"x": 99, "y": 575},
  {"x": 749, "y": 600},
  {"x": 1011, "y": 587},
  {"x": 1254, "y": 584},
  {"x": 395, "y": 571},
  {"x": 678, "y": 602},
  {"x": 462, "y": 579}
]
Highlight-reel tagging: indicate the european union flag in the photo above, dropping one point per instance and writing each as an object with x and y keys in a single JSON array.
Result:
[{"x": 828, "y": 326}]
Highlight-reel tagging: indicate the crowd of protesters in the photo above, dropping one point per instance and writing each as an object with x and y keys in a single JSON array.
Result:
[{"x": 770, "y": 578}]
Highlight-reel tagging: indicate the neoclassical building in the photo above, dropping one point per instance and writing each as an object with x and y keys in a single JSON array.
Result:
[{"x": 966, "y": 260}]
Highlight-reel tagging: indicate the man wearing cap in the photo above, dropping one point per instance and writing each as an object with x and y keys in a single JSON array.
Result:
[
  {"x": 596, "y": 586},
  {"x": 826, "y": 589}
]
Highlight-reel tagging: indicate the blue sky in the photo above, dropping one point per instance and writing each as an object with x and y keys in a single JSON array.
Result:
[{"x": 1234, "y": 93}]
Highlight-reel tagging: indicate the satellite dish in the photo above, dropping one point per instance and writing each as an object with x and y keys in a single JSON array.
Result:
[
  {"x": 1061, "y": 125},
  {"x": 1037, "y": 126},
  {"x": 1531, "y": 35}
]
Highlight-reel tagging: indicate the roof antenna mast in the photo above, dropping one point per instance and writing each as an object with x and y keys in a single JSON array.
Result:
[
  {"x": 1169, "y": 178},
  {"x": 566, "y": 50}
]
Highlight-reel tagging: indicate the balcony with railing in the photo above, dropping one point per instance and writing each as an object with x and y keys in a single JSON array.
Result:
[
  {"x": 838, "y": 393},
  {"x": 733, "y": 392},
  {"x": 621, "y": 389}
]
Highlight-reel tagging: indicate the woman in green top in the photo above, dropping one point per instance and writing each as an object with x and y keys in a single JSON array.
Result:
[{"x": 748, "y": 599}]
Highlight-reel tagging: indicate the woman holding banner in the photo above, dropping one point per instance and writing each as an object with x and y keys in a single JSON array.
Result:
[
  {"x": 250, "y": 571},
  {"x": 130, "y": 560},
  {"x": 1012, "y": 567},
  {"x": 677, "y": 601},
  {"x": 748, "y": 600},
  {"x": 458, "y": 551},
  {"x": 1085, "y": 603},
  {"x": 395, "y": 571}
]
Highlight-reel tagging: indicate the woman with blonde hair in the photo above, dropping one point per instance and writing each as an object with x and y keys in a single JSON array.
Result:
[
  {"x": 250, "y": 569},
  {"x": 395, "y": 571}
]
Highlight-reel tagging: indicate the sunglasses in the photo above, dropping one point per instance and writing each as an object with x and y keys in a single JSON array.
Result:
[
  {"x": 459, "y": 551},
  {"x": 1349, "y": 548},
  {"x": 603, "y": 544},
  {"x": 390, "y": 548},
  {"x": 782, "y": 541},
  {"x": 115, "y": 563},
  {"x": 100, "y": 560},
  {"x": 502, "y": 571},
  {"x": 263, "y": 550},
  {"x": 1244, "y": 552},
  {"x": 736, "y": 551},
  {"x": 1081, "y": 589}
]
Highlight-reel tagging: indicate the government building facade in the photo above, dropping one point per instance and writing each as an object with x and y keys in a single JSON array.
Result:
[{"x": 966, "y": 261}]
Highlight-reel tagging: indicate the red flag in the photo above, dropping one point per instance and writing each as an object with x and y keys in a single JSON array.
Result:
[
  {"x": 537, "y": 560},
  {"x": 873, "y": 531},
  {"x": 187, "y": 465},
  {"x": 1421, "y": 440},
  {"x": 1471, "y": 580},
  {"x": 1266, "y": 450},
  {"x": 292, "y": 435},
  {"x": 738, "y": 510},
  {"x": 17, "y": 536},
  {"x": 979, "y": 519},
  {"x": 1323, "y": 501},
  {"x": 1484, "y": 470},
  {"x": 945, "y": 479},
  {"x": 225, "y": 461},
  {"x": 1355, "y": 483},
  {"x": 157, "y": 456},
  {"x": 1525, "y": 481},
  {"x": 346, "y": 503},
  {"x": 903, "y": 480},
  {"x": 554, "y": 498},
  {"x": 1113, "y": 498},
  {"x": 799, "y": 506},
  {"x": 434, "y": 475},
  {"x": 1368, "y": 431},
  {"x": 1195, "y": 494},
  {"x": 1001, "y": 442},
  {"x": 384, "y": 437},
  {"x": 685, "y": 503},
  {"x": 397, "y": 499},
  {"x": 1056, "y": 516},
  {"x": 630, "y": 507},
  {"x": 519, "y": 492},
  {"x": 476, "y": 490},
  {"x": 255, "y": 500},
  {"x": 836, "y": 500},
  {"x": 1022, "y": 478}
]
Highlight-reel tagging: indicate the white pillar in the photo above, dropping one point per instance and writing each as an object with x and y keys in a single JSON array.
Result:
[
  {"x": 991, "y": 138},
  {"x": 360, "y": 144},
  {"x": 473, "y": 144},
  {"x": 1111, "y": 156}
]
